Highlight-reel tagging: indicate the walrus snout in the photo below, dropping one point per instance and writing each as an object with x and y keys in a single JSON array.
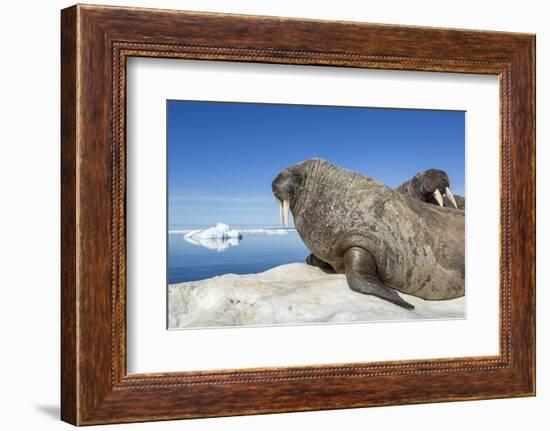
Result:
[{"x": 284, "y": 187}]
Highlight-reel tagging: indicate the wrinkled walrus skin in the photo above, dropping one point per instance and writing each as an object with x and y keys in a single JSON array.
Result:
[{"x": 380, "y": 238}]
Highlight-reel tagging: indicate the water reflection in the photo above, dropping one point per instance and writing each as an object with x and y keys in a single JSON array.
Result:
[
  {"x": 217, "y": 244},
  {"x": 195, "y": 258}
]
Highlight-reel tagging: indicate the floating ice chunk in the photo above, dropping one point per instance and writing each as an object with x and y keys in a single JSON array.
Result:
[
  {"x": 220, "y": 231},
  {"x": 219, "y": 237}
]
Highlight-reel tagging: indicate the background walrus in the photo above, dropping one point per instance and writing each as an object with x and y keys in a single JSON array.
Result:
[
  {"x": 432, "y": 186},
  {"x": 380, "y": 238}
]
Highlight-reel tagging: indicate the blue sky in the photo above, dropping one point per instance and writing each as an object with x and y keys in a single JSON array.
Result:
[{"x": 222, "y": 157}]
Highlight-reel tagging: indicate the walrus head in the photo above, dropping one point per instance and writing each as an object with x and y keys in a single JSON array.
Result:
[
  {"x": 286, "y": 188},
  {"x": 432, "y": 185}
]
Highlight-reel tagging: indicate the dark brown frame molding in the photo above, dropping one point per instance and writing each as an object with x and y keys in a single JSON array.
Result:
[{"x": 95, "y": 43}]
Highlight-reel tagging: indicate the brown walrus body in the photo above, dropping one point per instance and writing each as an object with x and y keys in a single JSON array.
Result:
[{"x": 380, "y": 238}]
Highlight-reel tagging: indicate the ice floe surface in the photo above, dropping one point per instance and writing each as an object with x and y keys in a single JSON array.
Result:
[{"x": 295, "y": 293}]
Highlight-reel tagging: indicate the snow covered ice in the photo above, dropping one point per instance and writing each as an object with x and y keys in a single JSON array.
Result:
[{"x": 295, "y": 293}]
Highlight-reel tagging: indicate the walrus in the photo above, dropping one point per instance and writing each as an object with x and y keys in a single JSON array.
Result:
[
  {"x": 383, "y": 240},
  {"x": 432, "y": 186}
]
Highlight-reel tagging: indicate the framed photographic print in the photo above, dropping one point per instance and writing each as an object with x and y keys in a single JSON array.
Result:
[
  {"x": 206, "y": 254},
  {"x": 265, "y": 214}
]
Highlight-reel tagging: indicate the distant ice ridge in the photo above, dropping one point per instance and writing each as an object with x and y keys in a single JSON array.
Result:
[
  {"x": 248, "y": 231},
  {"x": 274, "y": 231}
]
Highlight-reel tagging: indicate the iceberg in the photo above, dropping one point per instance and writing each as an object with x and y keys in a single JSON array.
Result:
[
  {"x": 220, "y": 231},
  {"x": 219, "y": 237}
]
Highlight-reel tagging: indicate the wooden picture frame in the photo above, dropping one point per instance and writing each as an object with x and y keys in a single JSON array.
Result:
[{"x": 95, "y": 43}]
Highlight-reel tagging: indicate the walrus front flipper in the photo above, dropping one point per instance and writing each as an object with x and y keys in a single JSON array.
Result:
[
  {"x": 315, "y": 261},
  {"x": 373, "y": 286},
  {"x": 362, "y": 277}
]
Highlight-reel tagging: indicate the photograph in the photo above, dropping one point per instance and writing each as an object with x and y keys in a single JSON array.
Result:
[{"x": 287, "y": 214}]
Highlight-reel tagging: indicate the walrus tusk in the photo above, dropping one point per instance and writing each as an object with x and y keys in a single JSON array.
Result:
[
  {"x": 438, "y": 197},
  {"x": 283, "y": 211},
  {"x": 286, "y": 204},
  {"x": 450, "y": 196}
]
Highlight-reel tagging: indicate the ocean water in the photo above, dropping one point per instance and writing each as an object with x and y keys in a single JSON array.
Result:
[{"x": 255, "y": 252}]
